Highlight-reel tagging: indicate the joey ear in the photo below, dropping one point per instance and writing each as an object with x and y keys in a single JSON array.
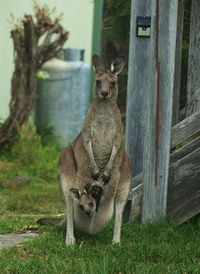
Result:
[
  {"x": 76, "y": 194},
  {"x": 97, "y": 63},
  {"x": 118, "y": 65}
]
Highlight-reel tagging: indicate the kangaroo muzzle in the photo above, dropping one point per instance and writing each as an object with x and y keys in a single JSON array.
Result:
[{"x": 104, "y": 93}]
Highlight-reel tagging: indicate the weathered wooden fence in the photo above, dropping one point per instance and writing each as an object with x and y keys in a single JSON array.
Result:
[{"x": 164, "y": 183}]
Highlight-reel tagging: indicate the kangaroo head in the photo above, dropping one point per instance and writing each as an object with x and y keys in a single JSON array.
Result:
[
  {"x": 105, "y": 86},
  {"x": 89, "y": 199}
]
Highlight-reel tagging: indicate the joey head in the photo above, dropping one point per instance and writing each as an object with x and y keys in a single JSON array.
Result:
[{"x": 88, "y": 200}]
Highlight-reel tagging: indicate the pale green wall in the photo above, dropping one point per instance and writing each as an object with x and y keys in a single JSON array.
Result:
[{"x": 77, "y": 19}]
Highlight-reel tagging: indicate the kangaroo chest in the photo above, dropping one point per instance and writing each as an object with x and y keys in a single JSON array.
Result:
[{"x": 103, "y": 131}]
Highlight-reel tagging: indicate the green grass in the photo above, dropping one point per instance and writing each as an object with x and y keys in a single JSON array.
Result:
[
  {"x": 34, "y": 157},
  {"x": 145, "y": 249},
  {"x": 149, "y": 248}
]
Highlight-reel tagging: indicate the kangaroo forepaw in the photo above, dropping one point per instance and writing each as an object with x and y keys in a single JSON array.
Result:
[
  {"x": 106, "y": 177},
  {"x": 95, "y": 175}
]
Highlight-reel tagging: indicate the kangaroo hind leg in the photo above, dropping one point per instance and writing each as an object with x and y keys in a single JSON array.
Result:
[
  {"x": 121, "y": 196},
  {"x": 67, "y": 177}
]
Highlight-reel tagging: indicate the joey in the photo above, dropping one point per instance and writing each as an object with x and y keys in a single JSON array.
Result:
[{"x": 89, "y": 199}]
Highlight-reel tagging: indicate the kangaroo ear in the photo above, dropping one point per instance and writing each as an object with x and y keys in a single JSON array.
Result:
[
  {"x": 97, "y": 64},
  {"x": 118, "y": 65},
  {"x": 76, "y": 194}
]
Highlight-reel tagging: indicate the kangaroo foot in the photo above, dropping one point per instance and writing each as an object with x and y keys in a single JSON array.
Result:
[{"x": 70, "y": 241}]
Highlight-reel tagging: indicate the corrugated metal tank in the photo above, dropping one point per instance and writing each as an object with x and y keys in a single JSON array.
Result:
[{"x": 63, "y": 95}]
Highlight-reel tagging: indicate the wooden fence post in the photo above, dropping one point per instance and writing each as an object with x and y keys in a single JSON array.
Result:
[
  {"x": 159, "y": 113},
  {"x": 139, "y": 76}
]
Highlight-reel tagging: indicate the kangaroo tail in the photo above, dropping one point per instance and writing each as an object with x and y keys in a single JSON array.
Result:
[{"x": 49, "y": 221}]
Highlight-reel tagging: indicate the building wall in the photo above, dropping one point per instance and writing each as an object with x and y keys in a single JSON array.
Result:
[{"x": 77, "y": 19}]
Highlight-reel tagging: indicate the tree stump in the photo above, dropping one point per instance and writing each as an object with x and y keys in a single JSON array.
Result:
[{"x": 30, "y": 55}]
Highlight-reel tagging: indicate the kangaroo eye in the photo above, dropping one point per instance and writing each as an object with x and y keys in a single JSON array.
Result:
[
  {"x": 81, "y": 207},
  {"x": 113, "y": 83},
  {"x": 98, "y": 82}
]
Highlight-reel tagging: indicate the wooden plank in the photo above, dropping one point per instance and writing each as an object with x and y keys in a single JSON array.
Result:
[
  {"x": 137, "y": 180},
  {"x": 136, "y": 203},
  {"x": 184, "y": 188},
  {"x": 158, "y": 125},
  {"x": 185, "y": 129},
  {"x": 184, "y": 161},
  {"x": 174, "y": 157},
  {"x": 182, "y": 114},
  {"x": 178, "y": 59},
  {"x": 139, "y": 76},
  {"x": 185, "y": 150}
]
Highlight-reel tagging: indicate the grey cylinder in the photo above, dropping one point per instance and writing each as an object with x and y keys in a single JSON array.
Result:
[
  {"x": 63, "y": 97},
  {"x": 71, "y": 54}
]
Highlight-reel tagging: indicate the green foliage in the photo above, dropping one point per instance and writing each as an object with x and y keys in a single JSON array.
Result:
[
  {"x": 47, "y": 135},
  {"x": 185, "y": 53},
  {"x": 27, "y": 148},
  {"x": 117, "y": 20},
  {"x": 1, "y": 121},
  {"x": 41, "y": 74},
  {"x": 186, "y": 23},
  {"x": 34, "y": 156},
  {"x": 116, "y": 25}
]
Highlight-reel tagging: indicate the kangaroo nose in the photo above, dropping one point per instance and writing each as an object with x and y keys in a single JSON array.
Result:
[
  {"x": 88, "y": 213},
  {"x": 104, "y": 93}
]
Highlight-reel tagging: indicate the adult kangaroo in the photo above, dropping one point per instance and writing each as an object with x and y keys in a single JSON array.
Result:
[{"x": 94, "y": 172}]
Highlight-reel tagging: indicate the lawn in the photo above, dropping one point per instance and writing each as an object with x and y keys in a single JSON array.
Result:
[{"x": 147, "y": 248}]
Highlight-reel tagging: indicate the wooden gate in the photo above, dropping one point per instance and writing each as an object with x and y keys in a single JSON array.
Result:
[
  {"x": 183, "y": 199},
  {"x": 166, "y": 158}
]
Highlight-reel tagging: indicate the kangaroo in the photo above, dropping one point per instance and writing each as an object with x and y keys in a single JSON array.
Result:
[
  {"x": 103, "y": 129},
  {"x": 94, "y": 172}
]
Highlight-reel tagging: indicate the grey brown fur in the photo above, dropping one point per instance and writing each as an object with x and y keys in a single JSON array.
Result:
[{"x": 97, "y": 158}]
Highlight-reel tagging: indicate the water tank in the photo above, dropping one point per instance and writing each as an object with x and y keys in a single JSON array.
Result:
[{"x": 63, "y": 95}]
